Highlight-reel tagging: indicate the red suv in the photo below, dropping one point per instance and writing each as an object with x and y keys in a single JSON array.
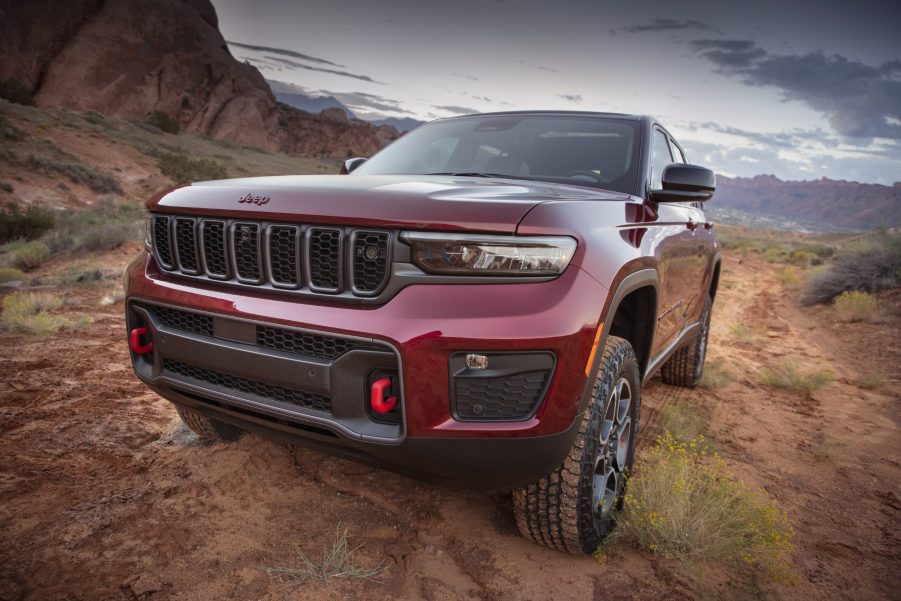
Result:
[{"x": 478, "y": 303}]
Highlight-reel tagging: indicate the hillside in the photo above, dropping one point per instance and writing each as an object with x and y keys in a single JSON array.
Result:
[
  {"x": 133, "y": 58},
  {"x": 836, "y": 204}
]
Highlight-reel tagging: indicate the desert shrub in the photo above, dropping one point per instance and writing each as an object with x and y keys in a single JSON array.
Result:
[
  {"x": 10, "y": 274},
  {"x": 28, "y": 312},
  {"x": 10, "y": 132},
  {"x": 870, "y": 264},
  {"x": 29, "y": 224},
  {"x": 854, "y": 305},
  {"x": 789, "y": 277},
  {"x": 683, "y": 503},
  {"x": 685, "y": 420},
  {"x": 181, "y": 169},
  {"x": 164, "y": 122},
  {"x": 789, "y": 376},
  {"x": 741, "y": 333},
  {"x": 7, "y": 187},
  {"x": 15, "y": 91},
  {"x": 804, "y": 257},
  {"x": 716, "y": 375},
  {"x": 102, "y": 183},
  {"x": 30, "y": 256},
  {"x": 869, "y": 381},
  {"x": 105, "y": 226}
]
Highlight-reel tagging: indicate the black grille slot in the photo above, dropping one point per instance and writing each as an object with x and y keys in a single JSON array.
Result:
[
  {"x": 324, "y": 257},
  {"x": 246, "y": 245},
  {"x": 284, "y": 255},
  {"x": 183, "y": 320},
  {"x": 299, "y": 398},
  {"x": 161, "y": 241},
  {"x": 300, "y": 343},
  {"x": 370, "y": 261},
  {"x": 186, "y": 245},
  {"x": 214, "y": 251},
  {"x": 510, "y": 397}
]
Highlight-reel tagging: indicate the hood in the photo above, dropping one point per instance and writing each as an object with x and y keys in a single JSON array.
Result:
[{"x": 397, "y": 201}]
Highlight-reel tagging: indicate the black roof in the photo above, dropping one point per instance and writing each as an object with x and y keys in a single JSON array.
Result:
[{"x": 624, "y": 116}]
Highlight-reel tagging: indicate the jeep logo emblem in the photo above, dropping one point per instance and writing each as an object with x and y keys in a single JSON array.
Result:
[{"x": 252, "y": 199}]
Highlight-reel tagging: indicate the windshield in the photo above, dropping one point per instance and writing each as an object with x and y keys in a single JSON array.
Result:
[{"x": 585, "y": 151}]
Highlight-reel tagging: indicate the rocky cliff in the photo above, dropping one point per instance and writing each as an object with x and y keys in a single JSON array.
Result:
[
  {"x": 131, "y": 58},
  {"x": 848, "y": 205}
]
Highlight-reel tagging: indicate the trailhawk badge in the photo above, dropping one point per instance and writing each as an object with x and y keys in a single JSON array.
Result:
[{"x": 252, "y": 199}]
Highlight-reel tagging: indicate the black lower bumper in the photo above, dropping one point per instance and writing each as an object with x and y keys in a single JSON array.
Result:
[{"x": 486, "y": 463}]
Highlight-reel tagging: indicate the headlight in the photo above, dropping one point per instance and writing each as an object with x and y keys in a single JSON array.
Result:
[
  {"x": 476, "y": 254},
  {"x": 148, "y": 232}
]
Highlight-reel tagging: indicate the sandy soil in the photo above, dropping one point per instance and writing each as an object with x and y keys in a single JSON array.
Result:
[{"x": 104, "y": 495}]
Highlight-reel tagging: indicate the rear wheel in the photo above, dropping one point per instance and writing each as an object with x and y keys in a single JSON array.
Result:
[
  {"x": 207, "y": 427},
  {"x": 686, "y": 366},
  {"x": 571, "y": 509}
]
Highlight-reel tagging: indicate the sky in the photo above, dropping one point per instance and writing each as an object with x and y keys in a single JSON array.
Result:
[{"x": 798, "y": 89}]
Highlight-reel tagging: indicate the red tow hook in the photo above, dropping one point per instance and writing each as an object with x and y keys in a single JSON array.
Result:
[
  {"x": 134, "y": 341},
  {"x": 377, "y": 399}
]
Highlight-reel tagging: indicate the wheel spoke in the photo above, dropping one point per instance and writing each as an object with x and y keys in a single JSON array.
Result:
[
  {"x": 623, "y": 439},
  {"x": 624, "y": 400}
]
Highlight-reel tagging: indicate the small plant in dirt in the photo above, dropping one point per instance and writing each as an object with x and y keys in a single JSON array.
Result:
[
  {"x": 686, "y": 421},
  {"x": 9, "y": 274},
  {"x": 164, "y": 122},
  {"x": 30, "y": 256},
  {"x": 788, "y": 375},
  {"x": 337, "y": 562},
  {"x": 869, "y": 381},
  {"x": 741, "y": 333},
  {"x": 28, "y": 224},
  {"x": 181, "y": 169},
  {"x": 716, "y": 374},
  {"x": 870, "y": 264},
  {"x": 855, "y": 306},
  {"x": 684, "y": 504},
  {"x": 789, "y": 278},
  {"x": 10, "y": 132},
  {"x": 74, "y": 171},
  {"x": 29, "y": 312},
  {"x": 105, "y": 226}
]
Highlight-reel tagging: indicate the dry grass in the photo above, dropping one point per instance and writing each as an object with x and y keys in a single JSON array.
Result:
[
  {"x": 684, "y": 504},
  {"x": 742, "y": 333},
  {"x": 788, "y": 375},
  {"x": 337, "y": 562},
  {"x": 716, "y": 375},
  {"x": 10, "y": 274},
  {"x": 856, "y": 306},
  {"x": 30, "y": 256},
  {"x": 869, "y": 381},
  {"x": 29, "y": 312},
  {"x": 686, "y": 420},
  {"x": 869, "y": 264},
  {"x": 789, "y": 277}
]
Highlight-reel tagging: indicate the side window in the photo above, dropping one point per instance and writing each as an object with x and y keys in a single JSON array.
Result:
[
  {"x": 660, "y": 158},
  {"x": 677, "y": 152}
]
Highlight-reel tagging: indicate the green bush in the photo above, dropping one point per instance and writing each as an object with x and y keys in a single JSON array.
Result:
[
  {"x": 9, "y": 274},
  {"x": 29, "y": 224},
  {"x": 105, "y": 226},
  {"x": 684, "y": 504},
  {"x": 854, "y": 305},
  {"x": 15, "y": 91},
  {"x": 870, "y": 264},
  {"x": 31, "y": 256},
  {"x": 182, "y": 170},
  {"x": 99, "y": 182},
  {"x": 29, "y": 312},
  {"x": 789, "y": 376},
  {"x": 164, "y": 122}
]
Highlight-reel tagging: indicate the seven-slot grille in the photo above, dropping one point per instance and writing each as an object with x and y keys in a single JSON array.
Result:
[{"x": 279, "y": 255}]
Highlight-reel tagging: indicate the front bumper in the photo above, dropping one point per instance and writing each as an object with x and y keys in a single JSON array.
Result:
[{"x": 416, "y": 334}]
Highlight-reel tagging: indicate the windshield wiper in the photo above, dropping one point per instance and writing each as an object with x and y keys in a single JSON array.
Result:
[{"x": 479, "y": 174}]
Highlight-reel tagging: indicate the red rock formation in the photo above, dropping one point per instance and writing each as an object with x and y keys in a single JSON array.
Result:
[{"x": 129, "y": 58}]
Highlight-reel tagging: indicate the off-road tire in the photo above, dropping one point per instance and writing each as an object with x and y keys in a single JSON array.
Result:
[
  {"x": 686, "y": 366},
  {"x": 208, "y": 428},
  {"x": 559, "y": 510}
]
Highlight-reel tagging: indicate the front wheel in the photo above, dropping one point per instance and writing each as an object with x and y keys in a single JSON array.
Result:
[
  {"x": 208, "y": 428},
  {"x": 571, "y": 509}
]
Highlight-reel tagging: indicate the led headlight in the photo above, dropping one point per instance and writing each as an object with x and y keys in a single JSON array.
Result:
[
  {"x": 477, "y": 254},
  {"x": 148, "y": 232}
]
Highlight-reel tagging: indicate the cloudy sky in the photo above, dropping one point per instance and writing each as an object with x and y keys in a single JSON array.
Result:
[{"x": 798, "y": 88}]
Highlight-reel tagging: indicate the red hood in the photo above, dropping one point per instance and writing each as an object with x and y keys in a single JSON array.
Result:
[{"x": 421, "y": 202}]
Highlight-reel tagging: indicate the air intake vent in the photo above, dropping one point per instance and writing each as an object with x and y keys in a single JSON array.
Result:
[
  {"x": 284, "y": 255},
  {"x": 246, "y": 248},
  {"x": 186, "y": 245},
  {"x": 215, "y": 255},
  {"x": 162, "y": 242},
  {"x": 324, "y": 256}
]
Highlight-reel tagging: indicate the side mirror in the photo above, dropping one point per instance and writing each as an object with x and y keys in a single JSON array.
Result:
[
  {"x": 685, "y": 183},
  {"x": 351, "y": 164}
]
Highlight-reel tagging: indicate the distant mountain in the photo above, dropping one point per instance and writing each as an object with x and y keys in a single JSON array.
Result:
[
  {"x": 403, "y": 125},
  {"x": 834, "y": 204},
  {"x": 312, "y": 104}
]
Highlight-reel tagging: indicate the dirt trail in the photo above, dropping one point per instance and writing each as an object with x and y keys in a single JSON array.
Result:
[{"x": 104, "y": 495}]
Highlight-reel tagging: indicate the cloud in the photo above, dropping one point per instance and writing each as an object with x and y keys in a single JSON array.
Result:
[
  {"x": 539, "y": 67},
  {"x": 457, "y": 110},
  {"x": 284, "y": 52},
  {"x": 367, "y": 103},
  {"x": 577, "y": 98},
  {"x": 664, "y": 25},
  {"x": 859, "y": 100},
  {"x": 465, "y": 76},
  {"x": 297, "y": 65}
]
